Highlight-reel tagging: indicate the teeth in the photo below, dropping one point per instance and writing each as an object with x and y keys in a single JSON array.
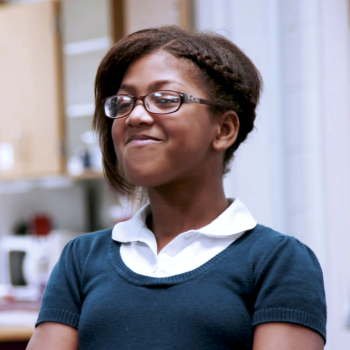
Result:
[{"x": 143, "y": 139}]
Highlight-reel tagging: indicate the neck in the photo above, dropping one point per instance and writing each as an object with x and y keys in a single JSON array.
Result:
[{"x": 184, "y": 206}]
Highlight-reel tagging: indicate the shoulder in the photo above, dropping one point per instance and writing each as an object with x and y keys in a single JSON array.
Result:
[
  {"x": 266, "y": 241},
  {"x": 270, "y": 253},
  {"x": 266, "y": 235},
  {"x": 283, "y": 260},
  {"x": 88, "y": 243},
  {"x": 92, "y": 238}
]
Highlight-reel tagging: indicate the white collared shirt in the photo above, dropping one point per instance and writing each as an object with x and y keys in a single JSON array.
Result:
[{"x": 185, "y": 252}]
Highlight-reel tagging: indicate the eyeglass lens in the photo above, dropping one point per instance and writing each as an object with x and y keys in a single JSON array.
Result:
[{"x": 157, "y": 102}]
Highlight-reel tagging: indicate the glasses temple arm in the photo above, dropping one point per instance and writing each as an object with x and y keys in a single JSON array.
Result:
[{"x": 191, "y": 98}]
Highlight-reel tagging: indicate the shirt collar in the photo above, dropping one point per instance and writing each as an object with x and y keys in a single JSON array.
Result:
[
  {"x": 132, "y": 229},
  {"x": 235, "y": 219}
]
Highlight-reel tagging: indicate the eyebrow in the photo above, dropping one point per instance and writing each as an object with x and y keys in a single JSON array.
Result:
[{"x": 154, "y": 85}]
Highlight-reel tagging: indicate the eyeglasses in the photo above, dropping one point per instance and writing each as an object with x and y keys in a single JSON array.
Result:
[{"x": 160, "y": 102}]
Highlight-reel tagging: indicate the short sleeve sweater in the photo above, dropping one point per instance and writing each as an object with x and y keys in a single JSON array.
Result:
[{"x": 263, "y": 276}]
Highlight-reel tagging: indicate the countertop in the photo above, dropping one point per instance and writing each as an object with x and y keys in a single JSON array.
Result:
[
  {"x": 15, "y": 333},
  {"x": 17, "y": 320}
]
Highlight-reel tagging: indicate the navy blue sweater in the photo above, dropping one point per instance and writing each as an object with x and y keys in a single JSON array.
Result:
[{"x": 263, "y": 276}]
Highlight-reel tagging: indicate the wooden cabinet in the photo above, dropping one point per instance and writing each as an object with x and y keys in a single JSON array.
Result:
[
  {"x": 38, "y": 121},
  {"x": 31, "y": 118}
]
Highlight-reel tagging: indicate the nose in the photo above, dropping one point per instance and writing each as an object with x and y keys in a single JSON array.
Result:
[{"x": 139, "y": 115}]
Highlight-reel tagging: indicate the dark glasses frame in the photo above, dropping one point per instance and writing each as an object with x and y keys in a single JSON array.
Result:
[{"x": 184, "y": 98}]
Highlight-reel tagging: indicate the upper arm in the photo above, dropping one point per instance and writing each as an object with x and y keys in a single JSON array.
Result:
[
  {"x": 54, "y": 336},
  {"x": 286, "y": 336}
]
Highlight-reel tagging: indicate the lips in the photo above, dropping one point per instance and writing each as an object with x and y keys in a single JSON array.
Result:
[{"x": 142, "y": 139}]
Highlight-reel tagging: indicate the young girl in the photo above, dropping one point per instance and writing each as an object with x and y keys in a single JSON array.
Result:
[{"x": 192, "y": 269}]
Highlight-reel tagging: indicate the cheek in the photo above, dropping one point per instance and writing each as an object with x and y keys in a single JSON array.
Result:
[
  {"x": 189, "y": 148},
  {"x": 193, "y": 135}
]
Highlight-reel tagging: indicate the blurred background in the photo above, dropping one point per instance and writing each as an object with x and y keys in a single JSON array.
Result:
[{"x": 293, "y": 173}]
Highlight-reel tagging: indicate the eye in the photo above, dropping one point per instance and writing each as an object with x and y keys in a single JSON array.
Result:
[
  {"x": 124, "y": 105},
  {"x": 163, "y": 102},
  {"x": 162, "y": 99},
  {"x": 166, "y": 101}
]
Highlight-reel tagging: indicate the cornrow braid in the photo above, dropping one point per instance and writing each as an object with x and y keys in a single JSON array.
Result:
[{"x": 228, "y": 76}]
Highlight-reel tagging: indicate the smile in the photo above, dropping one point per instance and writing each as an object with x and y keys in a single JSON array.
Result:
[{"x": 142, "y": 140}]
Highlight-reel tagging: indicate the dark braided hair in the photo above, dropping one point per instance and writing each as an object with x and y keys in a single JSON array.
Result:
[{"x": 229, "y": 78}]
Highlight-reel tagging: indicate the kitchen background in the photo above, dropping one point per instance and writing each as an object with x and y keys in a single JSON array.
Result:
[{"x": 50, "y": 166}]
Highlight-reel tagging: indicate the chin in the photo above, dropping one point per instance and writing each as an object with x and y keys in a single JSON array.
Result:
[
  {"x": 144, "y": 178},
  {"x": 145, "y": 182}
]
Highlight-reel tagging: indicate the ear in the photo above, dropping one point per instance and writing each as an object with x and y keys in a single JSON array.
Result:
[{"x": 226, "y": 132}]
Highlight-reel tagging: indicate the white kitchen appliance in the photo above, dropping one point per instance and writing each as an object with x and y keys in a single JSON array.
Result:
[{"x": 27, "y": 261}]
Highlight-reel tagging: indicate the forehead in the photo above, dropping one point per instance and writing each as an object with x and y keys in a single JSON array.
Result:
[{"x": 160, "y": 67}]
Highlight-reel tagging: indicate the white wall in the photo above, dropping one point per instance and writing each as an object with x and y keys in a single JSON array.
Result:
[{"x": 335, "y": 77}]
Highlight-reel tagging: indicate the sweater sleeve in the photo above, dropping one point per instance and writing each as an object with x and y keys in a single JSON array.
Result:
[
  {"x": 61, "y": 301},
  {"x": 289, "y": 286}
]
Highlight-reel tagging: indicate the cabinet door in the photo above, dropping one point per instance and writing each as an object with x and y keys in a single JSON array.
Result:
[{"x": 31, "y": 118}]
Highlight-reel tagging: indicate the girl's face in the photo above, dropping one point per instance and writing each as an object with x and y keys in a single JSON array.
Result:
[{"x": 170, "y": 147}]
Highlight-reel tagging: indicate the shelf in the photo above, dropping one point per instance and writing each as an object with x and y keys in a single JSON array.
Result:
[
  {"x": 21, "y": 185},
  {"x": 87, "y": 46}
]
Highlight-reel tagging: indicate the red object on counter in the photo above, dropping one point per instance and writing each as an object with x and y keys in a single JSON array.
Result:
[{"x": 41, "y": 225}]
